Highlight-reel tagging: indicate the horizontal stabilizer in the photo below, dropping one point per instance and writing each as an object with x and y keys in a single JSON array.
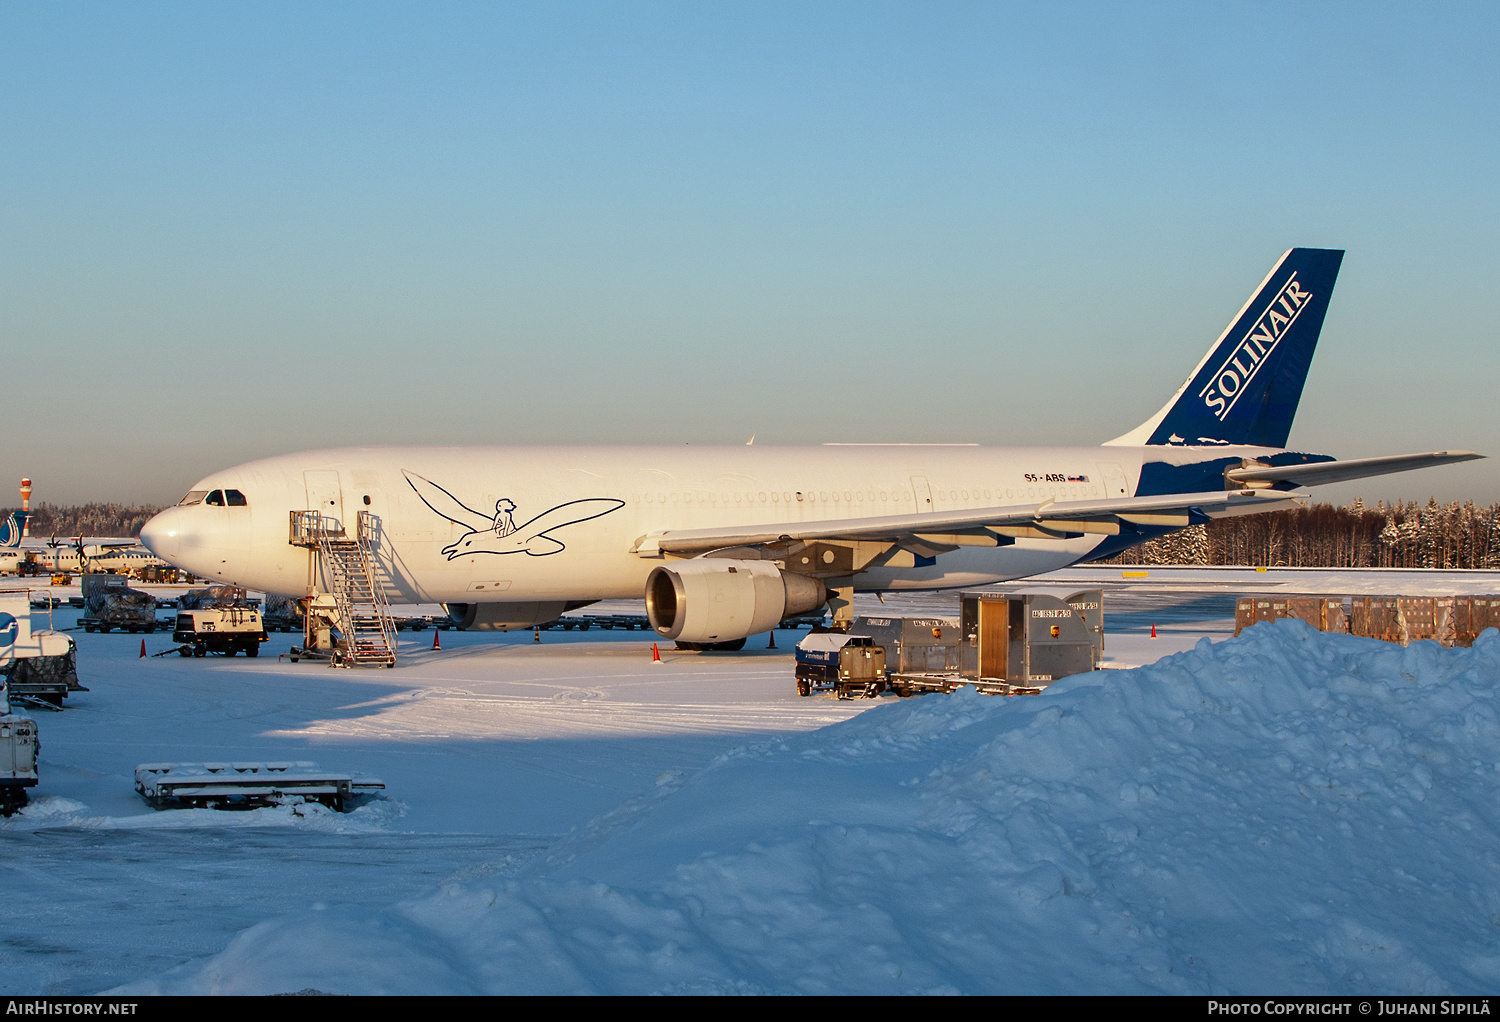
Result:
[{"x": 1343, "y": 471}]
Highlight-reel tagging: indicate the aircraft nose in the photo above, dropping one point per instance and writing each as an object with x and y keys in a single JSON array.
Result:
[{"x": 162, "y": 534}]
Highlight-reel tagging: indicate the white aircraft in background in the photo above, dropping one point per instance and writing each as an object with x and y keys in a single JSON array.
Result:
[
  {"x": 725, "y": 542},
  {"x": 74, "y": 555},
  {"x": 117, "y": 555}
]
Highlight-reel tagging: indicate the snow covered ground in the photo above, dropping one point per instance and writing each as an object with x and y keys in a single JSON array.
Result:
[{"x": 1286, "y": 811}]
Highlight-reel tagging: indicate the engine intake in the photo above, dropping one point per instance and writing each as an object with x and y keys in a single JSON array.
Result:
[{"x": 716, "y": 600}]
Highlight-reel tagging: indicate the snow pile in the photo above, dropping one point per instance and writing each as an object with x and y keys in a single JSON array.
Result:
[
  {"x": 51, "y": 812},
  {"x": 1286, "y": 811}
]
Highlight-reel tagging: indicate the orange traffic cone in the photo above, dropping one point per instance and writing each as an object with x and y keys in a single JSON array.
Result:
[
  {"x": 435, "y": 643},
  {"x": 655, "y": 654},
  {"x": 1153, "y": 629},
  {"x": 536, "y": 636},
  {"x": 143, "y": 649},
  {"x": 772, "y": 643}
]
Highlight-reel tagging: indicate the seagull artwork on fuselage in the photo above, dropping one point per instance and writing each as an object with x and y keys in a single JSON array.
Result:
[
  {"x": 498, "y": 533},
  {"x": 725, "y": 542}
]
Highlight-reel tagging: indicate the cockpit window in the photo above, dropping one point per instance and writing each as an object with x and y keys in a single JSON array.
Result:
[
  {"x": 193, "y": 497},
  {"x": 234, "y": 498},
  {"x": 215, "y": 498}
]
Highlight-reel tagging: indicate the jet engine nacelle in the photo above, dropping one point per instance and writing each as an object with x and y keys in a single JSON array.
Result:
[
  {"x": 502, "y": 617},
  {"x": 715, "y": 600}
]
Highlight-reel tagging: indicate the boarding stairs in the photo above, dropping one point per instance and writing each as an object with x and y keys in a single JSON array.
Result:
[{"x": 348, "y": 569}]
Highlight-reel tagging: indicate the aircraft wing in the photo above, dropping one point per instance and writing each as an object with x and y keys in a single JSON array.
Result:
[
  {"x": 982, "y": 526},
  {"x": 1342, "y": 471}
]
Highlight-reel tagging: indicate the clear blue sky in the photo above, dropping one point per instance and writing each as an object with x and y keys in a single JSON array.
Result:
[{"x": 239, "y": 230}]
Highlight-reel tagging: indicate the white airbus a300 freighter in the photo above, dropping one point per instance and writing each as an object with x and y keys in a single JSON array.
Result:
[{"x": 725, "y": 542}]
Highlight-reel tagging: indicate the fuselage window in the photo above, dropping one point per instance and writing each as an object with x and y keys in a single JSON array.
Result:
[
  {"x": 193, "y": 497},
  {"x": 215, "y": 498},
  {"x": 234, "y": 498}
]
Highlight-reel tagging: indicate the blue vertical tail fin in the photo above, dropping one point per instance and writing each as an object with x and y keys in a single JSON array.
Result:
[
  {"x": 11, "y": 529},
  {"x": 1246, "y": 389}
]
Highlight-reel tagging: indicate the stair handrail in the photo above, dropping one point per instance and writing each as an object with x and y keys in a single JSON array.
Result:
[
  {"x": 365, "y": 527},
  {"x": 309, "y": 528},
  {"x": 339, "y": 583}
]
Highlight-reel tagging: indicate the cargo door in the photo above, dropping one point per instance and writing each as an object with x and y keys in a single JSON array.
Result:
[
  {"x": 994, "y": 638},
  {"x": 1089, "y": 606},
  {"x": 921, "y": 492},
  {"x": 324, "y": 493}
]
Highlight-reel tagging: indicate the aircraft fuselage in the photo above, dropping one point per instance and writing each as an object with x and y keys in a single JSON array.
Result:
[{"x": 480, "y": 524}]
